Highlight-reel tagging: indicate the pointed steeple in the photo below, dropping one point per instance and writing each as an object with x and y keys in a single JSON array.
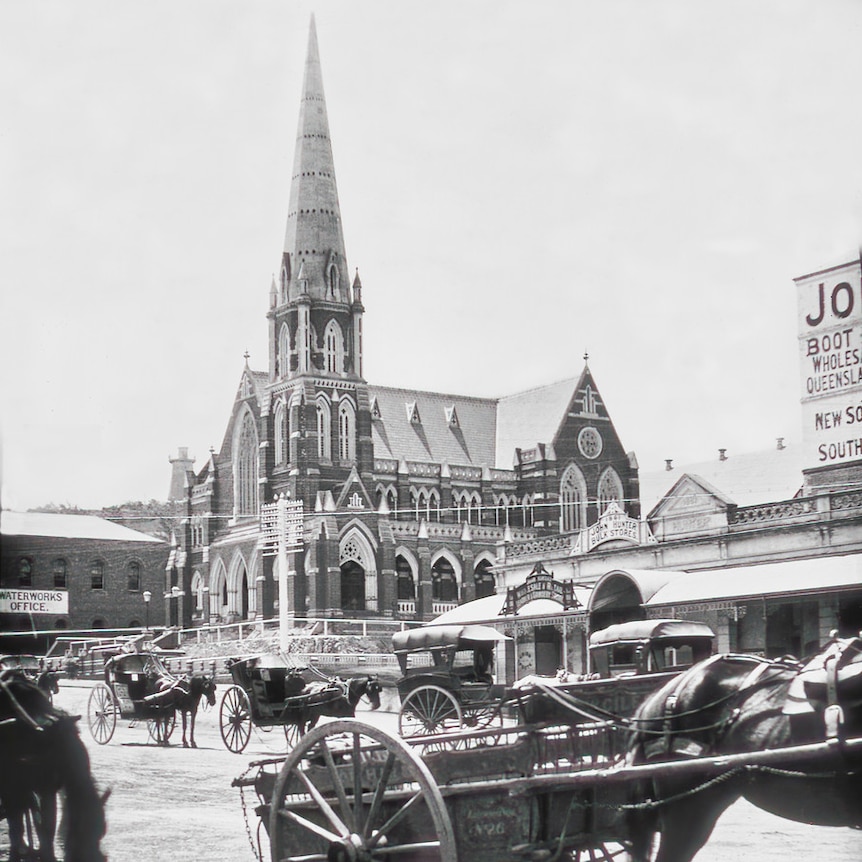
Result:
[{"x": 313, "y": 238}]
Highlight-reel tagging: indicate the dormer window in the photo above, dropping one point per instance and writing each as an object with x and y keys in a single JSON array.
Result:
[
  {"x": 375, "y": 408},
  {"x": 452, "y": 417},
  {"x": 413, "y": 416}
]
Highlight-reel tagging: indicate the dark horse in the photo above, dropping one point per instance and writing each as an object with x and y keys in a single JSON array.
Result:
[
  {"x": 49, "y": 682},
  {"x": 336, "y": 698},
  {"x": 42, "y": 754},
  {"x": 184, "y": 693},
  {"x": 734, "y": 704}
]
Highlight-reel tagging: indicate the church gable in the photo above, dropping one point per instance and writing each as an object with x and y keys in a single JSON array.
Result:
[{"x": 354, "y": 495}]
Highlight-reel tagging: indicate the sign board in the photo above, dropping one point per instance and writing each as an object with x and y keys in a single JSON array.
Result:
[
  {"x": 540, "y": 584},
  {"x": 613, "y": 524},
  {"x": 281, "y": 521},
  {"x": 34, "y": 601},
  {"x": 830, "y": 353}
]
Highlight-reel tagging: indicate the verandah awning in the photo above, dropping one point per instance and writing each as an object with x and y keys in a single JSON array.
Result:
[{"x": 792, "y": 578}]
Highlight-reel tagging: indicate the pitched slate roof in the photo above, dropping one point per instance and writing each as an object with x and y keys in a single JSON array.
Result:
[
  {"x": 433, "y": 438},
  {"x": 746, "y": 478},
  {"x": 68, "y": 527},
  {"x": 527, "y": 418}
]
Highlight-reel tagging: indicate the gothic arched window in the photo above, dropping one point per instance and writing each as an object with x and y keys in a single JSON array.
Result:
[
  {"x": 284, "y": 351},
  {"x": 610, "y": 489},
  {"x": 444, "y": 583},
  {"x": 324, "y": 429},
  {"x": 281, "y": 433},
  {"x": 346, "y": 431},
  {"x": 573, "y": 500},
  {"x": 333, "y": 348},
  {"x": 245, "y": 469}
]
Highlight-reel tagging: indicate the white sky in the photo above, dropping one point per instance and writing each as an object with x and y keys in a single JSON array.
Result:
[{"x": 519, "y": 182}]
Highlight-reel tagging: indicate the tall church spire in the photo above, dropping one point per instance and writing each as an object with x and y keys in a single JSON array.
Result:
[{"x": 313, "y": 238}]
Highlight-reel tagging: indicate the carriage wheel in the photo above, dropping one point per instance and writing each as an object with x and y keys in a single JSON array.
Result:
[
  {"x": 102, "y": 712},
  {"x": 292, "y": 735},
  {"x": 610, "y": 851},
  {"x": 235, "y": 719},
  {"x": 161, "y": 728},
  {"x": 351, "y": 791},
  {"x": 429, "y": 709}
]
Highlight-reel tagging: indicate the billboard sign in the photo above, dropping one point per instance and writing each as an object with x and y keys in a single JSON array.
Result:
[
  {"x": 830, "y": 353},
  {"x": 34, "y": 601}
]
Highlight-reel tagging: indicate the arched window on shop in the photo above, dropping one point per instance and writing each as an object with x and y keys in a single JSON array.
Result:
[
  {"x": 573, "y": 500},
  {"x": 444, "y": 584}
]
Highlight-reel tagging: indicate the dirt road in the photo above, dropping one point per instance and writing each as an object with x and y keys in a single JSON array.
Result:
[{"x": 178, "y": 804}]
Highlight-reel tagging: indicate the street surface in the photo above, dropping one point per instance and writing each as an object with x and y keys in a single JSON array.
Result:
[{"x": 178, "y": 804}]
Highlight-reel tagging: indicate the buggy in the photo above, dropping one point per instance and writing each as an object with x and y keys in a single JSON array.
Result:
[
  {"x": 447, "y": 679},
  {"x": 137, "y": 686}
]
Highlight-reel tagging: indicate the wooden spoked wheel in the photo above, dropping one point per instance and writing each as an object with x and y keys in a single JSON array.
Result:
[
  {"x": 351, "y": 791},
  {"x": 610, "y": 851},
  {"x": 429, "y": 709},
  {"x": 292, "y": 735},
  {"x": 161, "y": 728},
  {"x": 235, "y": 719},
  {"x": 102, "y": 713}
]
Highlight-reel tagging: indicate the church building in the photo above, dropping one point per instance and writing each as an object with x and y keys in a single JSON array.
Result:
[{"x": 406, "y": 495}]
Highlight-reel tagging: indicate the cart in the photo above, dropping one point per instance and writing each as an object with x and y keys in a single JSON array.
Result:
[
  {"x": 628, "y": 662},
  {"x": 352, "y": 791},
  {"x": 447, "y": 680},
  {"x": 136, "y": 687},
  {"x": 267, "y": 692}
]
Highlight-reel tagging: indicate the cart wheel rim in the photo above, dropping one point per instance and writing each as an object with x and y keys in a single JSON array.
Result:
[
  {"x": 429, "y": 709},
  {"x": 101, "y": 714},
  {"x": 235, "y": 719},
  {"x": 351, "y": 791}
]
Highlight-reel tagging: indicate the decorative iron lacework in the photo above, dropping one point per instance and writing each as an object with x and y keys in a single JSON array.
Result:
[
  {"x": 540, "y": 546},
  {"x": 772, "y": 512},
  {"x": 847, "y": 500}
]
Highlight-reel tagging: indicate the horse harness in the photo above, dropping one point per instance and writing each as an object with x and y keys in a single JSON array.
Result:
[{"x": 668, "y": 741}]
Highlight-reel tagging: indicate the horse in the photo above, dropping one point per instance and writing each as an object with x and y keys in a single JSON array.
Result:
[
  {"x": 41, "y": 754},
  {"x": 337, "y": 698},
  {"x": 739, "y": 704},
  {"x": 184, "y": 693},
  {"x": 48, "y": 682},
  {"x": 199, "y": 686}
]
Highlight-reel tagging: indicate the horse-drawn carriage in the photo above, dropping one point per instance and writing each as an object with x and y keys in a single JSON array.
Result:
[
  {"x": 32, "y": 668},
  {"x": 447, "y": 678},
  {"x": 268, "y": 692},
  {"x": 585, "y": 789},
  {"x": 139, "y": 687}
]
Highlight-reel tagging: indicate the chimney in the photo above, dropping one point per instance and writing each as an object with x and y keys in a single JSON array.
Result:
[
  {"x": 779, "y": 443},
  {"x": 668, "y": 464},
  {"x": 722, "y": 454}
]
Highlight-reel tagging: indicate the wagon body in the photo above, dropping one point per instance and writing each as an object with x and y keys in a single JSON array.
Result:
[
  {"x": 27, "y": 665},
  {"x": 270, "y": 685},
  {"x": 629, "y": 662}
]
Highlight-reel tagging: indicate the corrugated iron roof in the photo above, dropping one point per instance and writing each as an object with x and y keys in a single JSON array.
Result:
[{"x": 68, "y": 527}]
